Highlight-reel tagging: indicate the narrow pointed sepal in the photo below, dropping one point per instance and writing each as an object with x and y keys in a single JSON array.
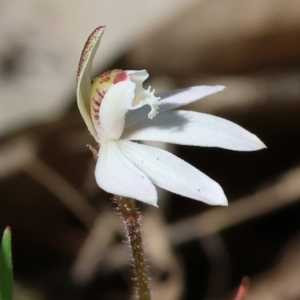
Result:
[
  {"x": 83, "y": 87},
  {"x": 173, "y": 174},
  {"x": 194, "y": 129},
  {"x": 117, "y": 175}
]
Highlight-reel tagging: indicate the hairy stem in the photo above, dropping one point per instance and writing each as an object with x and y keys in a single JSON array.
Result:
[{"x": 132, "y": 220}]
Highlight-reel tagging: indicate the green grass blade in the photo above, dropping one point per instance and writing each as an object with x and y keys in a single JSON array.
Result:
[{"x": 6, "y": 269}]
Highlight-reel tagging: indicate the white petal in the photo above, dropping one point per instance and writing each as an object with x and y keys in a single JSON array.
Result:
[
  {"x": 174, "y": 99},
  {"x": 177, "y": 98},
  {"x": 196, "y": 129},
  {"x": 83, "y": 87},
  {"x": 115, "y": 104},
  {"x": 117, "y": 175},
  {"x": 173, "y": 174}
]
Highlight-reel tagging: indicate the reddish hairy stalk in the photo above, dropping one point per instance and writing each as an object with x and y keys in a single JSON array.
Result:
[{"x": 132, "y": 220}]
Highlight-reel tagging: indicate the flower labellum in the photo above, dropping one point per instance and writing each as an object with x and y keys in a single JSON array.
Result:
[{"x": 119, "y": 113}]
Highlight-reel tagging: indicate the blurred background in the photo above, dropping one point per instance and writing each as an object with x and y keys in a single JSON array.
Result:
[{"x": 68, "y": 243}]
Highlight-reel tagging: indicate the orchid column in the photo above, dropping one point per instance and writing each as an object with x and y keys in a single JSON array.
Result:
[{"x": 120, "y": 113}]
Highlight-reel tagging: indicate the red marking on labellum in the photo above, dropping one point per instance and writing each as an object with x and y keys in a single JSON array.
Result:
[
  {"x": 101, "y": 93},
  {"x": 96, "y": 102},
  {"x": 105, "y": 77},
  {"x": 97, "y": 117},
  {"x": 120, "y": 77}
]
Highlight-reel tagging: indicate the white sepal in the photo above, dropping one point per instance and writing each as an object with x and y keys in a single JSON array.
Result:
[
  {"x": 119, "y": 176},
  {"x": 173, "y": 174},
  {"x": 83, "y": 87},
  {"x": 194, "y": 129}
]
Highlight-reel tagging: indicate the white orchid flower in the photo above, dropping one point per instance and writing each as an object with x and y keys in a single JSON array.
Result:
[{"x": 118, "y": 112}]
